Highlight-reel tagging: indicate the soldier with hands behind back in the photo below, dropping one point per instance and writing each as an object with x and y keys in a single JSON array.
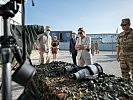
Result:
[{"x": 125, "y": 49}]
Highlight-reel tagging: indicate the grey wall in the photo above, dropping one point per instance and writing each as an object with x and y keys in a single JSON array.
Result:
[
  {"x": 107, "y": 46},
  {"x": 64, "y": 45},
  {"x": 102, "y": 47},
  {"x": 63, "y": 36}
]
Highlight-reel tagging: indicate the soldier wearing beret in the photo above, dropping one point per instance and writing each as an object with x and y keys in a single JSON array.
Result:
[{"x": 125, "y": 49}]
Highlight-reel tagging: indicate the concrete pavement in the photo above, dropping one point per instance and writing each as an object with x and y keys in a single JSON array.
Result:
[{"x": 107, "y": 59}]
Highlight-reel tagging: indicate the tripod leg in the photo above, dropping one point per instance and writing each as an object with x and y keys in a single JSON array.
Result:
[
  {"x": 6, "y": 73},
  {"x": 37, "y": 93},
  {"x": 31, "y": 94}
]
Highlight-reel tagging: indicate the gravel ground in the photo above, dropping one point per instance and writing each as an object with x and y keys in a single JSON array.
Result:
[{"x": 107, "y": 59}]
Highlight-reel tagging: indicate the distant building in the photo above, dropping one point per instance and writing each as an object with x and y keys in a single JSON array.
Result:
[
  {"x": 107, "y": 41},
  {"x": 104, "y": 37},
  {"x": 63, "y": 36}
]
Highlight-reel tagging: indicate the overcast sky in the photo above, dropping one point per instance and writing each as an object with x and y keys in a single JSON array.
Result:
[{"x": 95, "y": 16}]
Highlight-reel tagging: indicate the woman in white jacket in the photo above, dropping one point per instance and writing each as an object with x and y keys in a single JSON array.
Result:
[{"x": 83, "y": 46}]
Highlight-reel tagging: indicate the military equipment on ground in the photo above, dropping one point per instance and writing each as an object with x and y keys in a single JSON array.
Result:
[
  {"x": 54, "y": 84},
  {"x": 88, "y": 72}
]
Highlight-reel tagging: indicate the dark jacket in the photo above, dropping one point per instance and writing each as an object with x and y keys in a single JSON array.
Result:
[{"x": 72, "y": 46}]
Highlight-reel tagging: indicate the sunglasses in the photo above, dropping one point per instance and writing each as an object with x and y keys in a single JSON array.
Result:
[
  {"x": 79, "y": 32},
  {"x": 124, "y": 24}
]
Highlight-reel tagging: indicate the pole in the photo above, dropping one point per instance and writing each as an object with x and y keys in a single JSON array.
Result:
[
  {"x": 23, "y": 30},
  {"x": 6, "y": 60},
  {"x": 112, "y": 43}
]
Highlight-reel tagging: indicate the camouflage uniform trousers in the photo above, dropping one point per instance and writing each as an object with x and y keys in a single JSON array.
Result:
[
  {"x": 92, "y": 51},
  {"x": 126, "y": 65},
  {"x": 44, "y": 57}
]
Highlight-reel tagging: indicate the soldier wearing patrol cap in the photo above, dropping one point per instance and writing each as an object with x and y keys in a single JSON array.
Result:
[
  {"x": 44, "y": 45},
  {"x": 125, "y": 49}
]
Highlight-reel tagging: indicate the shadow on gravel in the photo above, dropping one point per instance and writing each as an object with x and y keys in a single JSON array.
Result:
[
  {"x": 108, "y": 58},
  {"x": 14, "y": 87},
  {"x": 111, "y": 56}
]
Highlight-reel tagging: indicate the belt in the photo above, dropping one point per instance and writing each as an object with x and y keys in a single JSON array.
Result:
[{"x": 127, "y": 50}]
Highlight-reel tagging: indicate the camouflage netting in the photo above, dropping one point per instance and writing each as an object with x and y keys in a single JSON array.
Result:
[
  {"x": 31, "y": 32},
  {"x": 54, "y": 84}
]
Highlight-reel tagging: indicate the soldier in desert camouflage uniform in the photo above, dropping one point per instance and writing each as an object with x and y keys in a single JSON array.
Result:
[
  {"x": 125, "y": 49},
  {"x": 97, "y": 47},
  {"x": 44, "y": 45},
  {"x": 92, "y": 48}
]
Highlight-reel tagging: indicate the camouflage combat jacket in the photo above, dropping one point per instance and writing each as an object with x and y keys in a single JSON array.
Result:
[
  {"x": 45, "y": 42},
  {"x": 125, "y": 43}
]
